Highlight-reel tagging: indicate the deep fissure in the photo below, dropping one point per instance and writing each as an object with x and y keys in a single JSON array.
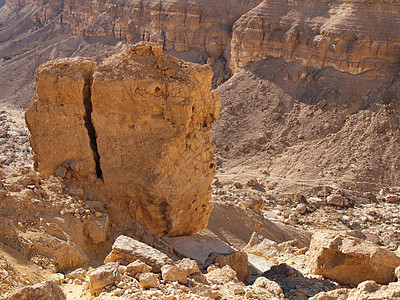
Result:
[{"x": 87, "y": 102}]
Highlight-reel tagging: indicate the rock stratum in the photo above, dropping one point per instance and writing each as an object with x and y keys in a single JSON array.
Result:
[
  {"x": 350, "y": 36},
  {"x": 135, "y": 132},
  {"x": 313, "y": 33}
]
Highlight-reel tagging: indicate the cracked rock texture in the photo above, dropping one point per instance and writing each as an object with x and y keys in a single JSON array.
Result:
[
  {"x": 57, "y": 115},
  {"x": 146, "y": 149}
]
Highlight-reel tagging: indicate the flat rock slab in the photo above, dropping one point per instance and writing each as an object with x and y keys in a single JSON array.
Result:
[{"x": 126, "y": 250}]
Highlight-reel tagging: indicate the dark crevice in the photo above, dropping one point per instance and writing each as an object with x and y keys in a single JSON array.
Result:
[{"x": 87, "y": 102}]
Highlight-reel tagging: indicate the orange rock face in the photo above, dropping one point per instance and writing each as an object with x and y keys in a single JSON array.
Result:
[
  {"x": 143, "y": 136},
  {"x": 58, "y": 115}
]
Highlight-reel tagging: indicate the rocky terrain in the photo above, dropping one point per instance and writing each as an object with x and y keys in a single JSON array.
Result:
[{"x": 306, "y": 195}]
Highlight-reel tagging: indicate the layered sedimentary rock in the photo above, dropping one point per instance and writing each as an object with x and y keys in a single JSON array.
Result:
[
  {"x": 140, "y": 129},
  {"x": 351, "y": 36},
  {"x": 181, "y": 25}
]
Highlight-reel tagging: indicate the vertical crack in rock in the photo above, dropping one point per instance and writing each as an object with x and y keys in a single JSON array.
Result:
[{"x": 87, "y": 102}]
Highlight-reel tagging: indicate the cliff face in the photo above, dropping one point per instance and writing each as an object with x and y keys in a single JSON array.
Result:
[
  {"x": 313, "y": 33},
  {"x": 135, "y": 133},
  {"x": 351, "y": 36},
  {"x": 181, "y": 25}
]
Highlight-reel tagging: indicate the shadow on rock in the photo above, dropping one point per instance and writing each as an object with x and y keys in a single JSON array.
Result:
[{"x": 294, "y": 284}]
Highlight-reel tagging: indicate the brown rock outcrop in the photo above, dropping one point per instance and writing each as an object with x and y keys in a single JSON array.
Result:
[
  {"x": 139, "y": 128},
  {"x": 59, "y": 114},
  {"x": 339, "y": 34},
  {"x": 42, "y": 291},
  {"x": 349, "y": 260},
  {"x": 179, "y": 25}
]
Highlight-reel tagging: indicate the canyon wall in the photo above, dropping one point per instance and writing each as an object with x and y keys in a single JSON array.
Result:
[
  {"x": 181, "y": 25},
  {"x": 350, "y": 36},
  {"x": 134, "y": 133}
]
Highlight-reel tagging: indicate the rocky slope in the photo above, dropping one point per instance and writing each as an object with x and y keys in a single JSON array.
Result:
[
  {"x": 302, "y": 129},
  {"x": 307, "y": 141}
]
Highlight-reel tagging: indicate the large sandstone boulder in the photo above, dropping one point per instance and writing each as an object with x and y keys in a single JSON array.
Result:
[
  {"x": 349, "y": 260},
  {"x": 135, "y": 132},
  {"x": 156, "y": 111}
]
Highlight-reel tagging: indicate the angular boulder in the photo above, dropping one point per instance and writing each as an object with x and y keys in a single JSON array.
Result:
[
  {"x": 134, "y": 131},
  {"x": 238, "y": 261},
  {"x": 349, "y": 260},
  {"x": 137, "y": 267},
  {"x": 101, "y": 277},
  {"x": 127, "y": 250},
  {"x": 48, "y": 290},
  {"x": 221, "y": 275},
  {"x": 171, "y": 273},
  {"x": 148, "y": 280}
]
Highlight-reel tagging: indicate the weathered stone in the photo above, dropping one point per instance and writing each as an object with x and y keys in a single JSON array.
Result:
[
  {"x": 336, "y": 200},
  {"x": 77, "y": 274},
  {"x": 221, "y": 275},
  {"x": 171, "y": 273},
  {"x": 126, "y": 250},
  {"x": 64, "y": 255},
  {"x": 349, "y": 260},
  {"x": 97, "y": 229},
  {"x": 101, "y": 277},
  {"x": 392, "y": 198},
  {"x": 238, "y": 261},
  {"x": 300, "y": 208},
  {"x": 188, "y": 265},
  {"x": 397, "y": 273},
  {"x": 270, "y": 285},
  {"x": 258, "y": 245},
  {"x": 365, "y": 290},
  {"x": 155, "y": 110},
  {"x": 42, "y": 291},
  {"x": 57, "y": 116},
  {"x": 137, "y": 267},
  {"x": 148, "y": 280}
]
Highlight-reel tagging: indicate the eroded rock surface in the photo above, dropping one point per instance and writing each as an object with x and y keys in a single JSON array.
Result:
[
  {"x": 127, "y": 250},
  {"x": 41, "y": 291},
  {"x": 137, "y": 130},
  {"x": 349, "y": 260},
  {"x": 338, "y": 33}
]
